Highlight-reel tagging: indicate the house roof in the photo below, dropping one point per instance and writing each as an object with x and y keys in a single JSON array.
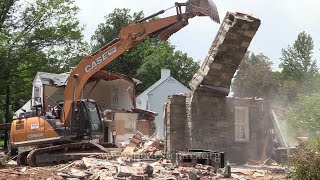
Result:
[
  {"x": 61, "y": 79},
  {"x": 158, "y": 84},
  {"x": 153, "y": 86},
  {"x": 53, "y": 79}
]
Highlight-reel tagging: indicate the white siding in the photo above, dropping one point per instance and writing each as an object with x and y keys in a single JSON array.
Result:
[
  {"x": 157, "y": 97},
  {"x": 142, "y": 101},
  {"x": 37, "y": 83}
]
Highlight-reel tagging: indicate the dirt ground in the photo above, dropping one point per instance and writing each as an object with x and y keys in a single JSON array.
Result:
[{"x": 55, "y": 172}]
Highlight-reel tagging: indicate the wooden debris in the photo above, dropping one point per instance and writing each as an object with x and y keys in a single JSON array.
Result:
[{"x": 134, "y": 142}]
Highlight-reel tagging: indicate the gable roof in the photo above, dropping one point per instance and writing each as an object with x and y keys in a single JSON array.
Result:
[
  {"x": 158, "y": 84},
  {"x": 153, "y": 86}
]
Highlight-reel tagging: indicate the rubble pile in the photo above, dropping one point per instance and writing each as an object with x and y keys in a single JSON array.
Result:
[
  {"x": 260, "y": 172},
  {"x": 96, "y": 168},
  {"x": 102, "y": 168},
  {"x": 141, "y": 159}
]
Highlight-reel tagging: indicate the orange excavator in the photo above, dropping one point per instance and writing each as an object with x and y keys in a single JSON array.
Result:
[{"x": 79, "y": 120}]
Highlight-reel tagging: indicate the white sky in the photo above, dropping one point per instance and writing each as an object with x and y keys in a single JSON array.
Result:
[{"x": 281, "y": 21}]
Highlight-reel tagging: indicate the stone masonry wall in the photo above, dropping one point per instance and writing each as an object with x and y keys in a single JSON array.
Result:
[
  {"x": 260, "y": 144},
  {"x": 188, "y": 126},
  {"x": 208, "y": 119},
  {"x": 209, "y": 125},
  {"x": 175, "y": 124},
  {"x": 226, "y": 52}
]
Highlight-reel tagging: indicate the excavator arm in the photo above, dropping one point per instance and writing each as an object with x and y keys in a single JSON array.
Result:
[{"x": 161, "y": 28}]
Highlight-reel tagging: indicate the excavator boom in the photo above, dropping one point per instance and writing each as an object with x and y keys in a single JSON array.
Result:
[{"x": 161, "y": 28}]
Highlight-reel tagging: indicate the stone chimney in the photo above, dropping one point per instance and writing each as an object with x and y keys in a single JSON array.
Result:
[{"x": 165, "y": 73}]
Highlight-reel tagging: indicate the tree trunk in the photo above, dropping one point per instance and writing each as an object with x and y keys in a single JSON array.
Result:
[{"x": 7, "y": 115}]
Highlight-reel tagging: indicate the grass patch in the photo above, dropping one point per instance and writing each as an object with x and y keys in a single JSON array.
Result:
[{"x": 1, "y": 144}]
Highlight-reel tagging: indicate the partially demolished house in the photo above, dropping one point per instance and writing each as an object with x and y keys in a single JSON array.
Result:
[
  {"x": 207, "y": 118},
  {"x": 114, "y": 93}
]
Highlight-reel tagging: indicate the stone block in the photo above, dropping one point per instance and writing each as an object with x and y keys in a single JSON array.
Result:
[
  {"x": 126, "y": 171},
  {"x": 249, "y": 33},
  {"x": 245, "y": 26},
  {"x": 245, "y": 44}
]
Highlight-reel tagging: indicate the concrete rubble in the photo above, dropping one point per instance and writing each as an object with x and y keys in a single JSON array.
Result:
[
  {"x": 145, "y": 161},
  {"x": 139, "y": 171}
]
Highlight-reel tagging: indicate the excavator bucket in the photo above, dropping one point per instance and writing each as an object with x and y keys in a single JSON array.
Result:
[{"x": 203, "y": 8}]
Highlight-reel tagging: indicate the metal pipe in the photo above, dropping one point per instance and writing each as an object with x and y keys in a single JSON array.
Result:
[
  {"x": 106, "y": 46},
  {"x": 151, "y": 16}
]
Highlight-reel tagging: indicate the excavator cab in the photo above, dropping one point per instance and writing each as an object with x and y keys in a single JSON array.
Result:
[{"x": 86, "y": 121}]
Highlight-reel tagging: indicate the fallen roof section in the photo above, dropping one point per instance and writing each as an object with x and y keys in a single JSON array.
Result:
[{"x": 226, "y": 52}]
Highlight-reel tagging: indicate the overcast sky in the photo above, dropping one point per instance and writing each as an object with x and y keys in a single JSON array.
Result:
[{"x": 281, "y": 21}]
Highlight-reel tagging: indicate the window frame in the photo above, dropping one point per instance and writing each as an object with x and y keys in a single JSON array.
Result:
[
  {"x": 238, "y": 124},
  {"x": 115, "y": 97}
]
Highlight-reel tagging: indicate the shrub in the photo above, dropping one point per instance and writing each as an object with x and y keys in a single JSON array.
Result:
[
  {"x": 306, "y": 162},
  {"x": 304, "y": 117}
]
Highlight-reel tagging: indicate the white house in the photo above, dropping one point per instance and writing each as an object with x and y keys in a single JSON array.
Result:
[
  {"x": 156, "y": 95},
  {"x": 45, "y": 87},
  {"x": 114, "y": 94}
]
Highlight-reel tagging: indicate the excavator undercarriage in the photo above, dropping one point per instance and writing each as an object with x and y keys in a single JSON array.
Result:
[{"x": 61, "y": 153}]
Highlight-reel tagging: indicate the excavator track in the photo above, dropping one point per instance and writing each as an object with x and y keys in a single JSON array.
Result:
[
  {"x": 57, "y": 154},
  {"x": 22, "y": 158}
]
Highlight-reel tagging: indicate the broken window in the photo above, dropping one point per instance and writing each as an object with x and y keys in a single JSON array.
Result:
[
  {"x": 241, "y": 124},
  {"x": 37, "y": 95},
  {"x": 115, "y": 98}
]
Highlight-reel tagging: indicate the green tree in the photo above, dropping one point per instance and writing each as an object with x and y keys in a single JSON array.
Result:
[
  {"x": 164, "y": 56},
  {"x": 255, "y": 77},
  {"x": 5, "y": 7},
  {"x": 129, "y": 61},
  {"x": 299, "y": 73},
  {"x": 297, "y": 61},
  {"x": 145, "y": 60},
  {"x": 304, "y": 116},
  {"x": 42, "y": 35}
]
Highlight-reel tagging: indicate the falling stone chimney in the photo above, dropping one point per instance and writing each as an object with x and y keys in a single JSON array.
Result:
[{"x": 165, "y": 73}]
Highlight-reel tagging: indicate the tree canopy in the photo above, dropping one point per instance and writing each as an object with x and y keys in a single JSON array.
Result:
[
  {"x": 297, "y": 61},
  {"x": 299, "y": 73},
  {"x": 304, "y": 116},
  {"x": 145, "y": 60},
  {"x": 255, "y": 78},
  {"x": 131, "y": 60},
  {"x": 40, "y": 35}
]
